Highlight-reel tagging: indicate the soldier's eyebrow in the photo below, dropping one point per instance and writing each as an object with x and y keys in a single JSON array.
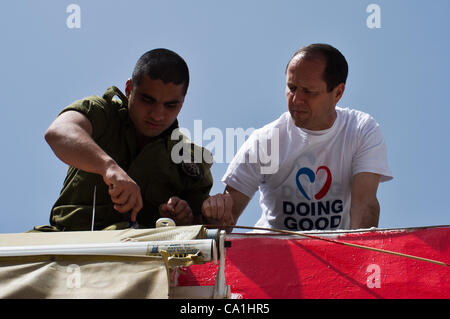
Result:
[
  {"x": 172, "y": 102},
  {"x": 148, "y": 97},
  {"x": 152, "y": 99}
]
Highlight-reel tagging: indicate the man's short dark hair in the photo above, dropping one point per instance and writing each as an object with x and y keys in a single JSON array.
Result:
[
  {"x": 162, "y": 64},
  {"x": 336, "y": 69}
]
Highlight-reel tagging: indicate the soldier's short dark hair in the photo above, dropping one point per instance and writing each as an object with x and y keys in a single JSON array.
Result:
[
  {"x": 336, "y": 69},
  {"x": 162, "y": 64}
]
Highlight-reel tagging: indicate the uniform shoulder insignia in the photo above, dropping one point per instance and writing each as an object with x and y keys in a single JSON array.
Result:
[{"x": 191, "y": 169}]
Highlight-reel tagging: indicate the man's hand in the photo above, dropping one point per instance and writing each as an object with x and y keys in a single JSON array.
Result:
[
  {"x": 178, "y": 210},
  {"x": 219, "y": 209},
  {"x": 124, "y": 192}
]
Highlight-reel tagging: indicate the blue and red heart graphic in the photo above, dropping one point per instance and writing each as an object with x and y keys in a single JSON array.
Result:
[{"x": 312, "y": 177}]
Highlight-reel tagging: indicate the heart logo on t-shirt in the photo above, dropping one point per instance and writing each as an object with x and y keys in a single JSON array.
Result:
[{"x": 312, "y": 177}]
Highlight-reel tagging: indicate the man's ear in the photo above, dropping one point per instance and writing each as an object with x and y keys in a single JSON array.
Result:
[
  {"x": 128, "y": 87},
  {"x": 338, "y": 92}
]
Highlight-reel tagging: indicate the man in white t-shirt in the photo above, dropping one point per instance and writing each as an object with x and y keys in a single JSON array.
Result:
[{"x": 317, "y": 166}]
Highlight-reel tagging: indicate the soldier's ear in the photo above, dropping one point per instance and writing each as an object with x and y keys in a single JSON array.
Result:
[{"x": 128, "y": 87}]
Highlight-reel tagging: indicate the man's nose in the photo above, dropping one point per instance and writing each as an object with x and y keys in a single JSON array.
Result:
[
  {"x": 157, "y": 112},
  {"x": 298, "y": 97}
]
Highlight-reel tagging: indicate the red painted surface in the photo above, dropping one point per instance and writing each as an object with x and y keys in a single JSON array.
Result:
[{"x": 276, "y": 267}]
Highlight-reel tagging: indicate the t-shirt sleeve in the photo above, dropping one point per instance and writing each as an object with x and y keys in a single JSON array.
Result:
[
  {"x": 244, "y": 172},
  {"x": 371, "y": 152},
  {"x": 94, "y": 108}
]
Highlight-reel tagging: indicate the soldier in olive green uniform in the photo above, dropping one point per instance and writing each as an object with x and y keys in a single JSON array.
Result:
[{"x": 121, "y": 146}]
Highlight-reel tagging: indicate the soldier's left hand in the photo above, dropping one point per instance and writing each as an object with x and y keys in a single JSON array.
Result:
[{"x": 178, "y": 210}]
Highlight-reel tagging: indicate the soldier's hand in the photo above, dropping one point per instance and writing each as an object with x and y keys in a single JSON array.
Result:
[
  {"x": 178, "y": 210},
  {"x": 219, "y": 209},
  {"x": 124, "y": 192}
]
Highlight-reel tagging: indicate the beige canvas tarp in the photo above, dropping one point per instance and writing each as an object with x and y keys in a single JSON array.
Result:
[{"x": 88, "y": 276}]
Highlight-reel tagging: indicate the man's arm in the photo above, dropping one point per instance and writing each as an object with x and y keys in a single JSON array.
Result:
[
  {"x": 225, "y": 209},
  {"x": 70, "y": 137},
  {"x": 364, "y": 209}
]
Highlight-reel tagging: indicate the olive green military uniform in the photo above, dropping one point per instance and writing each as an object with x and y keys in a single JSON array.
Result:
[{"x": 152, "y": 168}]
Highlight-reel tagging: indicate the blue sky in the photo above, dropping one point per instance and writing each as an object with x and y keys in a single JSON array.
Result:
[{"x": 237, "y": 52}]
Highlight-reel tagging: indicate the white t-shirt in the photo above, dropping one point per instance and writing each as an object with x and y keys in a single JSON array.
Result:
[{"x": 304, "y": 177}]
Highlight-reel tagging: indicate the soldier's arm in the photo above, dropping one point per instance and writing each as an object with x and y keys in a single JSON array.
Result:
[
  {"x": 364, "y": 209},
  {"x": 70, "y": 137}
]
